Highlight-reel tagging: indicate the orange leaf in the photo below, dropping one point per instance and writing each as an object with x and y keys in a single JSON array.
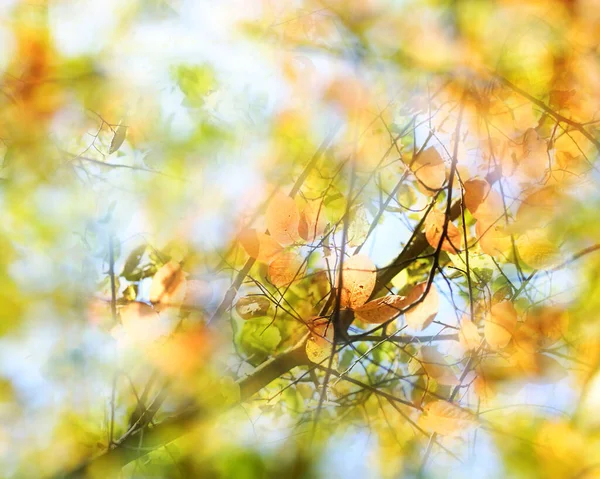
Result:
[
  {"x": 381, "y": 310},
  {"x": 319, "y": 345},
  {"x": 263, "y": 248},
  {"x": 311, "y": 224},
  {"x": 253, "y": 306},
  {"x": 446, "y": 419},
  {"x": 430, "y": 170},
  {"x": 490, "y": 209},
  {"x": 434, "y": 227},
  {"x": 282, "y": 219},
  {"x": 468, "y": 335},
  {"x": 539, "y": 207},
  {"x": 436, "y": 367},
  {"x": 168, "y": 286},
  {"x": 285, "y": 268},
  {"x": 492, "y": 239},
  {"x": 500, "y": 324},
  {"x": 421, "y": 316},
  {"x": 550, "y": 323},
  {"x": 476, "y": 191},
  {"x": 358, "y": 280}
]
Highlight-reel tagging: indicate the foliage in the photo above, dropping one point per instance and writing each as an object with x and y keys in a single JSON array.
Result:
[{"x": 240, "y": 238}]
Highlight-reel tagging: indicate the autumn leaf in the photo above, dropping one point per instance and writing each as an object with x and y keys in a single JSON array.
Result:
[
  {"x": 490, "y": 209},
  {"x": 434, "y": 228},
  {"x": 282, "y": 218},
  {"x": 436, "y": 367},
  {"x": 538, "y": 208},
  {"x": 320, "y": 343},
  {"x": 468, "y": 334},
  {"x": 312, "y": 222},
  {"x": 117, "y": 139},
  {"x": 253, "y": 306},
  {"x": 430, "y": 171},
  {"x": 263, "y": 248},
  {"x": 421, "y": 315},
  {"x": 381, "y": 310},
  {"x": 446, "y": 419},
  {"x": 358, "y": 280},
  {"x": 492, "y": 239},
  {"x": 285, "y": 268},
  {"x": 549, "y": 322},
  {"x": 476, "y": 191},
  {"x": 500, "y": 324},
  {"x": 537, "y": 251}
]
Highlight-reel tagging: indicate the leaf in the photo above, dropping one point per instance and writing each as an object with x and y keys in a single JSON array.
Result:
[
  {"x": 430, "y": 170},
  {"x": 434, "y": 228},
  {"x": 168, "y": 286},
  {"x": 468, "y": 335},
  {"x": 358, "y": 226},
  {"x": 131, "y": 268},
  {"x": 358, "y": 281},
  {"x": 500, "y": 324},
  {"x": 381, "y": 310},
  {"x": 320, "y": 344},
  {"x": 263, "y": 248},
  {"x": 436, "y": 367},
  {"x": 537, "y": 251},
  {"x": 550, "y": 323},
  {"x": 117, "y": 139},
  {"x": 312, "y": 222},
  {"x": 492, "y": 239},
  {"x": 282, "y": 218},
  {"x": 446, "y": 419},
  {"x": 285, "y": 268},
  {"x": 491, "y": 209},
  {"x": 476, "y": 191},
  {"x": 539, "y": 207},
  {"x": 421, "y": 315},
  {"x": 253, "y": 306},
  {"x": 258, "y": 339}
]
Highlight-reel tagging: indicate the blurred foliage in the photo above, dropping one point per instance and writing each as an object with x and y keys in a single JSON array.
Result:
[{"x": 302, "y": 239}]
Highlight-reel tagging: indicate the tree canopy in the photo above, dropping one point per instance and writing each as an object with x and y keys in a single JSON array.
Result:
[{"x": 251, "y": 239}]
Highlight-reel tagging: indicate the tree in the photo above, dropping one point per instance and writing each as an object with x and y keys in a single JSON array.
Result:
[{"x": 296, "y": 227}]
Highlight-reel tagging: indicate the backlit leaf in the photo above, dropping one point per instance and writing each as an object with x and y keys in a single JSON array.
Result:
[
  {"x": 282, "y": 219},
  {"x": 358, "y": 280},
  {"x": 446, "y": 419},
  {"x": 421, "y": 315},
  {"x": 500, "y": 324},
  {"x": 381, "y": 310}
]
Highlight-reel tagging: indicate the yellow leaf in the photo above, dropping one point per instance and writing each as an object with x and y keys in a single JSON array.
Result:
[
  {"x": 434, "y": 228},
  {"x": 285, "y": 268},
  {"x": 476, "y": 191},
  {"x": 421, "y": 316},
  {"x": 381, "y": 310},
  {"x": 430, "y": 170},
  {"x": 263, "y": 248},
  {"x": 436, "y": 367},
  {"x": 319, "y": 345},
  {"x": 446, "y": 419},
  {"x": 492, "y": 239},
  {"x": 500, "y": 324},
  {"x": 358, "y": 280},
  {"x": 537, "y": 251},
  {"x": 282, "y": 219},
  {"x": 468, "y": 334}
]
